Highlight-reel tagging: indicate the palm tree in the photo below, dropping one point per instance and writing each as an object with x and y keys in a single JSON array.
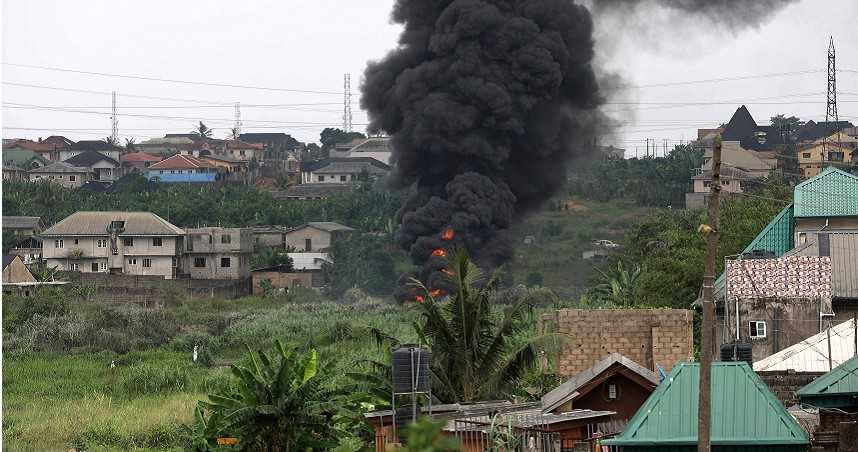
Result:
[
  {"x": 619, "y": 285},
  {"x": 129, "y": 143},
  {"x": 110, "y": 140},
  {"x": 202, "y": 131},
  {"x": 276, "y": 406},
  {"x": 476, "y": 354}
]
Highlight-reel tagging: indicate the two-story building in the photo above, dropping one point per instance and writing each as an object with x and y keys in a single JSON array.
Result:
[
  {"x": 316, "y": 236},
  {"x": 25, "y": 230},
  {"x": 182, "y": 168},
  {"x": 813, "y": 158},
  {"x": 104, "y": 148},
  {"x": 218, "y": 253},
  {"x": 103, "y": 167},
  {"x": 378, "y": 148},
  {"x": 132, "y": 243},
  {"x": 240, "y": 150},
  {"x": 61, "y": 173},
  {"x": 137, "y": 161}
]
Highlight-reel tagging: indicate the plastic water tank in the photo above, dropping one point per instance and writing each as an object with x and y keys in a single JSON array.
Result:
[
  {"x": 737, "y": 351},
  {"x": 410, "y": 367}
]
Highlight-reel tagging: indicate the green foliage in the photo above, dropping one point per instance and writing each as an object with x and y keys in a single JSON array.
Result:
[
  {"x": 427, "y": 435},
  {"x": 618, "y": 286},
  {"x": 363, "y": 261},
  {"x": 535, "y": 279},
  {"x": 271, "y": 257},
  {"x": 331, "y": 136},
  {"x": 10, "y": 239},
  {"x": 277, "y": 405},
  {"x": 202, "y": 131},
  {"x": 142, "y": 380},
  {"x": 47, "y": 302}
]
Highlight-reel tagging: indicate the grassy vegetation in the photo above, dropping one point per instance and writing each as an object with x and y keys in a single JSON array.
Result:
[
  {"x": 562, "y": 232},
  {"x": 61, "y": 398}
]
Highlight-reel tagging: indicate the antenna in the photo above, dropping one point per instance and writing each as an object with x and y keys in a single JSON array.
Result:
[
  {"x": 347, "y": 103},
  {"x": 114, "y": 126},
  {"x": 237, "y": 125}
]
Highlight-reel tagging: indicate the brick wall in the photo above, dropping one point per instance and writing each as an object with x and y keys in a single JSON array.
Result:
[
  {"x": 785, "y": 383},
  {"x": 649, "y": 337},
  {"x": 150, "y": 290}
]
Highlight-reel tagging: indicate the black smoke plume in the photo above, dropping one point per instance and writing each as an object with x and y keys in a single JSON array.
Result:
[
  {"x": 734, "y": 14},
  {"x": 486, "y": 101}
]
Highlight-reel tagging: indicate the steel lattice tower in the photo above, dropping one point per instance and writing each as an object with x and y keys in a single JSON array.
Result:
[
  {"x": 831, "y": 110},
  {"x": 347, "y": 103},
  {"x": 114, "y": 126},
  {"x": 237, "y": 125}
]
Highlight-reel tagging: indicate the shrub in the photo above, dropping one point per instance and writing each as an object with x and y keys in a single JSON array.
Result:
[
  {"x": 535, "y": 279},
  {"x": 141, "y": 380},
  {"x": 48, "y": 302}
]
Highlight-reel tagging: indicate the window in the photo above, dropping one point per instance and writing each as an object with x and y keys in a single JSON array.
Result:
[
  {"x": 101, "y": 243},
  {"x": 58, "y": 243},
  {"x": 757, "y": 329},
  {"x": 343, "y": 178},
  {"x": 74, "y": 267},
  {"x": 805, "y": 155},
  {"x": 612, "y": 392},
  {"x": 132, "y": 261},
  {"x": 321, "y": 178},
  {"x": 128, "y": 241},
  {"x": 308, "y": 244},
  {"x": 71, "y": 178},
  {"x": 835, "y": 156},
  {"x": 226, "y": 238},
  {"x": 76, "y": 241},
  {"x": 706, "y": 183},
  {"x": 147, "y": 263},
  {"x": 175, "y": 262},
  {"x": 200, "y": 262},
  {"x": 156, "y": 241},
  {"x": 725, "y": 182},
  {"x": 241, "y": 153},
  {"x": 225, "y": 262},
  {"x": 95, "y": 266},
  {"x": 102, "y": 266}
]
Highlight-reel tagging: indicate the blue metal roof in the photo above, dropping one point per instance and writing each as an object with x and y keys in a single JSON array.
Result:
[{"x": 831, "y": 193}]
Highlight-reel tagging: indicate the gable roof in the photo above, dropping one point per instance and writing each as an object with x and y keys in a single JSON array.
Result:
[
  {"x": 569, "y": 389},
  {"x": 222, "y": 158},
  {"x": 744, "y": 411},
  {"x": 96, "y": 223},
  {"x": 14, "y": 222},
  {"x": 739, "y": 158},
  {"x": 61, "y": 167},
  {"x": 831, "y": 193},
  {"x": 238, "y": 144},
  {"x": 29, "y": 145},
  {"x": 829, "y": 390},
  {"x": 94, "y": 145},
  {"x": 330, "y": 226},
  {"x": 89, "y": 158},
  {"x": 811, "y": 130},
  {"x": 139, "y": 157},
  {"x": 22, "y": 157},
  {"x": 353, "y": 165},
  {"x": 811, "y": 354},
  {"x": 8, "y": 258},
  {"x": 59, "y": 141},
  {"x": 180, "y": 161}
]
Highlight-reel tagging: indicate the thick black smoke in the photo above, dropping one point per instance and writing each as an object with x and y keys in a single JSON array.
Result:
[{"x": 485, "y": 101}]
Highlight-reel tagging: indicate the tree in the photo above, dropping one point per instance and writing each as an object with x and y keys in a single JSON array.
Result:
[
  {"x": 427, "y": 435},
  {"x": 110, "y": 140},
  {"x": 787, "y": 125},
  {"x": 202, "y": 131},
  {"x": 360, "y": 260},
  {"x": 476, "y": 355},
  {"x": 129, "y": 143},
  {"x": 618, "y": 287},
  {"x": 330, "y": 136},
  {"x": 275, "y": 406},
  {"x": 270, "y": 257}
]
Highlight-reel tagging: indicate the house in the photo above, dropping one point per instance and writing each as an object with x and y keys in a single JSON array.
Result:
[
  {"x": 313, "y": 191},
  {"x": 378, "y": 148},
  {"x": 26, "y": 229},
  {"x": 733, "y": 181},
  {"x": 218, "y": 253},
  {"x": 816, "y": 235},
  {"x": 315, "y": 236},
  {"x": 834, "y": 395},
  {"x": 105, "y": 168},
  {"x": 240, "y": 150},
  {"x": 342, "y": 170},
  {"x": 61, "y": 173},
  {"x": 14, "y": 173},
  {"x": 182, "y": 168},
  {"x": 229, "y": 168},
  {"x": 104, "y": 148},
  {"x": 137, "y": 161},
  {"x": 743, "y": 133},
  {"x": 615, "y": 383},
  {"x": 815, "y": 157},
  {"x": 23, "y": 159},
  {"x": 312, "y": 263},
  {"x": 746, "y": 415},
  {"x": 279, "y": 150},
  {"x": 47, "y": 151},
  {"x": 281, "y": 277},
  {"x": 271, "y": 236},
  {"x": 169, "y": 145},
  {"x": 475, "y": 425},
  {"x": 131, "y": 243},
  {"x": 59, "y": 142},
  {"x": 836, "y": 132},
  {"x": 14, "y": 270}
]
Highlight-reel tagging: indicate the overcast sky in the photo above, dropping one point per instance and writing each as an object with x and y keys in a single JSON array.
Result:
[{"x": 308, "y": 46}]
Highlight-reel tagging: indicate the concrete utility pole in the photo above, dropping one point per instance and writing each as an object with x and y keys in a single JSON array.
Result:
[{"x": 704, "y": 422}]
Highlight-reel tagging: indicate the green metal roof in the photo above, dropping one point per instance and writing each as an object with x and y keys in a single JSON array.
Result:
[
  {"x": 744, "y": 411},
  {"x": 835, "y": 389},
  {"x": 831, "y": 193}
]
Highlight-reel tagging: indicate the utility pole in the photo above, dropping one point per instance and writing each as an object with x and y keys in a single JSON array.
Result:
[
  {"x": 710, "y": 230},
  {"x": 347, "y": 102},
  {"x": 114, "y": 122}
]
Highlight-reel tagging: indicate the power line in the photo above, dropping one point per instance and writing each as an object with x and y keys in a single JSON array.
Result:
[
  {"x": 167, "y": 80},
  {"x": 723, "y": 79}
]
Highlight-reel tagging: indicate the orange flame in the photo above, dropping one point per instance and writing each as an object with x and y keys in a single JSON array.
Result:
[
  {"x": 447, "y": 234},
  {"x": 419, "y": 299},
  {"x": 435, "y": 293},
  {"x": 439, "y": 252}
]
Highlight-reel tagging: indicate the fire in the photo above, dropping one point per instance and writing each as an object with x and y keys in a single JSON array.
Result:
[
  {"x": 447, "y": 234},
  {"x": 439, "y": 252},
  {"x": 435, "y": 293},
  {"x": 419, "y": 298}
]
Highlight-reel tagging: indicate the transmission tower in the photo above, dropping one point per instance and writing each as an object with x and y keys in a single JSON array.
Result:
[
  {"x": 237, "y": 125},
  {"x": 831, "y": 110},
  {"x": 347, "y": 103},
  {"x": 114, "y": 126}
]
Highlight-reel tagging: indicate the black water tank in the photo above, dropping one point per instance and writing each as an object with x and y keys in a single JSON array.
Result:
[
  {"x": 759, "y": 254},
  {"x": 410, "y": 366},
  {"x": 737, "y": 351}
]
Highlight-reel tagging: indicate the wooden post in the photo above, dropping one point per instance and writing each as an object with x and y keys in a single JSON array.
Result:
[
  {"x": 828, "y": 334},
  {"x": 710, "y": 230},
  {"x": 855, "y": 331}
]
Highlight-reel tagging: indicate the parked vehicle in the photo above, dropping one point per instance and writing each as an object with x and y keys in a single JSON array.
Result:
[{"x": 605, "y": 244}]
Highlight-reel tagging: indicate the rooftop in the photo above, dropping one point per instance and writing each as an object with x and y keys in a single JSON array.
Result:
[
  {"x": 139, "y": 157},
  {"x": 12, "y": 222},
  {"x": 329, "y": 226},
  {"x": 180, "y": 161},
  {"x": 61, "y": 167},
  {"x": 95, "y": 145},
  {"x": 22, "y": 157},
  {"x": 835, "y": 389},
  {"x": 97, "y": 223},
  {"x": 811, "y": 354},
  {"x": 89, "y": 158},
  {"x": 29, "y": 145},
  {"x": 831, "y": 193},
  {"x": 812, "y": 130}
]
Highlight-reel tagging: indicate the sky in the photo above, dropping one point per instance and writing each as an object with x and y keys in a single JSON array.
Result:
[{"x": 285, "y": 60}]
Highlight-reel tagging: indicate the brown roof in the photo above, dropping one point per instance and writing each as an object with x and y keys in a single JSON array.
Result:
[
  {"x": 97, "y": 223},
  {"x": 238, "y": 144},
  {"x": 139, "y": 157},
  {"x": 30, "y": 145},
  {"x": 180, "y": 161}
]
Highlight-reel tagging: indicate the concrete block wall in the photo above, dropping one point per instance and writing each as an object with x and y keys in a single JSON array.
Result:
[{"x": 649, "y": 337}]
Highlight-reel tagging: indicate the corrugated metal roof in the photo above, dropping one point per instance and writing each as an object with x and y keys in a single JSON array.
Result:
[
  {"x": 843, "y": 380},
  {"x": 308, "y": 261},
  {"x": 329, "y": 226},
  {"x": 811, "y": 354},
  {"x": 567, "y": 390},
  {"x": 61, "y": 167},
  {"x": 831, "y": 193},
  {"x": 744, "y": 411},
  {"x": 12, "y": 222},
  {"x": 96, "y": 223},
  {"x": 843, "y": 249}
]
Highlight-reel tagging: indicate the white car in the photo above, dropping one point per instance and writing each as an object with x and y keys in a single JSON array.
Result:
[{"x": 605, "y": 244}]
